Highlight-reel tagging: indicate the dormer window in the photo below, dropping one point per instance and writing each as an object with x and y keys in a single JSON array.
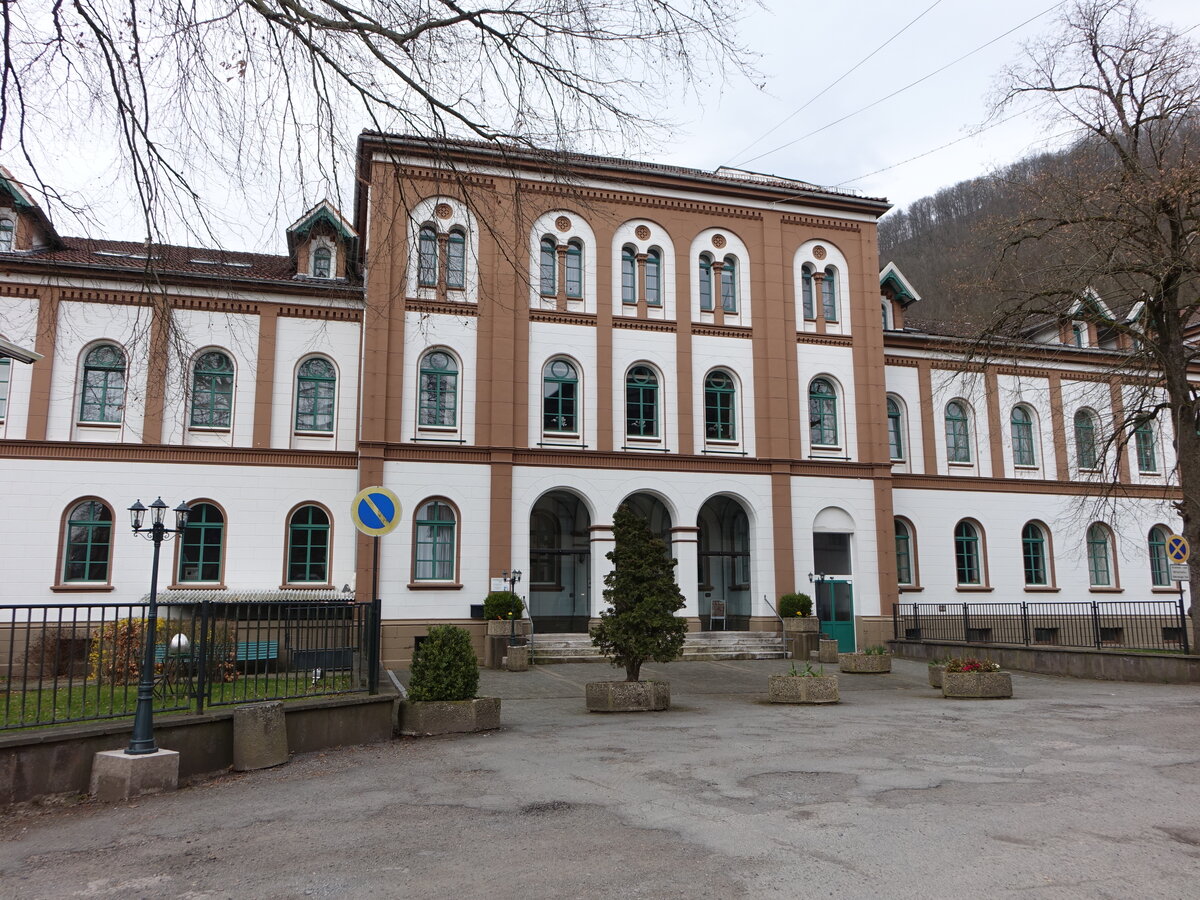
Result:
[
  {"x": 1079, "y": 334},
  {"x": 7, "y": 233},
  {"x": 322, "y": 266}
]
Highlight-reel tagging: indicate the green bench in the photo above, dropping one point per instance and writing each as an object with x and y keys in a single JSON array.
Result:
[{"x": 245, "y": 652}]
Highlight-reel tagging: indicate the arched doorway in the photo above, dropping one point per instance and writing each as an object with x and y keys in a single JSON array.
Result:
[
  {"x": 724, "y": 564},
  {"x": 833, "y": 575},
  {"x": 656, "y": 514},
  {"x": 560, "y": 564}
]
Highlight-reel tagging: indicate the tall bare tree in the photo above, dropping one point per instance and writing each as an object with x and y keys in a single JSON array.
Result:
[
  {"x": 196, "y": 98},
  {"x": 1122, "y": 219}
]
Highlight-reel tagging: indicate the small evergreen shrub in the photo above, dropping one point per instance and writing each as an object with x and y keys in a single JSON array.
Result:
[
  {"x": 444, "y": 666},
  {"x": 876, "y": 650},
  {"x": 791, "y": 605},
  {"x": 499, "y": 604}
]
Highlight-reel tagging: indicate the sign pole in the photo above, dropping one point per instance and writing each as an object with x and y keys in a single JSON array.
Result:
[
  {"x": 376, "y": 625},
  {"x": 376, "y": 512}
]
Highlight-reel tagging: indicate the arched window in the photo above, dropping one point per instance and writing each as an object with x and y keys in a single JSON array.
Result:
[
  {"x": 641, "y": 402},
  {"x": 719, "y": 398},
  {"x": 1147, "y": 446},
  {"x": 904, "y": 554},
  {"x": 1033, "y": 552},
  {"x": 654, "y": 277},
  {"x": 316, "y": 395},
  {"x": 958, "y": 433},
  {"x": 1160, "y": 571},
  {"x": 308, "y": 546},
  {"x": 103, "y": 395},
  {"x": 729, "y": 279},
  {"x": 427, "y": 257},
  {"x": 434, "y": 544},
  {"x": 575, "y": 269},
  {"x": 1100, "y": 556},
  {"x": 438, "y": 400},
  {"x": 212, "y": 390},
  {"x": 1021, "y": 425},
  {"x": 829, "y": 298},
  {"x": 822, "y": 413},
  {"x": 706, "y": 286},
  {"x": 5, "y": 379},
  {"x": 545, "y": 545},
  {"x": 456, "y": 260},
  {"x": 87, "y": 551},
  {"x": 895, "y": 431},
  {"x": 628, "y": 274},
  {"x": 560, "y": 397},
  {"x": 967, "y": 554},
  {"x": 202, "y": 544},
  {"x": 549, "y": 267},
  {"x": 322, "y": 263},
  {"x": 7, "y": 233},
  {"x": 1086, "y": 452},
  {"x": 806, "y": 291},
  {"x": 883, "y": 309}
]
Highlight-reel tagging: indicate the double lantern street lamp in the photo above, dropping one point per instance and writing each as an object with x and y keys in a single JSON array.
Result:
[
  {"x": 512, "y": 578},
  {"x": 142, "y": 740}
]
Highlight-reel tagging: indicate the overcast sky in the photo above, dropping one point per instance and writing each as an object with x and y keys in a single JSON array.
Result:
[{"x": 798, "y": 123}]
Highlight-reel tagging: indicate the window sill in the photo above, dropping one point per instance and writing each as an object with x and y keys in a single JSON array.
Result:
[
  {"x": 82, "y": 588},
  {"x": 1027, "y": 468},
  {"x": 437, "y": 429},
  {"x": 1164, "y": 589},
  {"x": 313, "y": 434},
  {"x": 909, "y": 588},
  {"x": 306, "y": 586},
  {"x": 825, "y": 448},
  {"x": 960, "y": 465},
  {"x": 898, "y": 462},
  {"x": 198, "y": 586},
  {"x": 205, "y": 429},
  {"x": 974, "y": 589},
  {"x": 1106, "y": 590},
  {"x": 99, "y": 424},
  {"x": 434, "y": 586},
  {"x": 1149, "y": 474},
  {"x": 1041, "y": 589}
]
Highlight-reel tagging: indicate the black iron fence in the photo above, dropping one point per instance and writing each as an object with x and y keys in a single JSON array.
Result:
[
  {"x": 1160, "y": 625},
  {"x": 73, "y": 663}
]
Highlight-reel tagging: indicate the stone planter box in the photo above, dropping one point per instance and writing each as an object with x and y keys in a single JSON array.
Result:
[
  {"x": 428, "y": 717},
  {"x": 827, "y": 651},
  {"x": 504, "y": 626},
  {"x": 803, "y": 689},
  {"x": 935, "y": 676},
  {"x": 865, "y": 663},
  {"x": 517, "y": 659},
  {"x": 802, "y": 624},
  {"x": 628, "y": 696},
  {"x": 977, "y": 685}
]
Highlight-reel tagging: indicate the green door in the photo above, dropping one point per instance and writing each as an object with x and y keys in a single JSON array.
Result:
[{"x": 835, "y": 608}]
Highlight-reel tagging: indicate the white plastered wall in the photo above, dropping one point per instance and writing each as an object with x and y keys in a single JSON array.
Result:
[
  {"x": 459, "y": 335},
  {"x": 1093, "y": 396},
  {"x": 423, "y": 212},
  {"x": 835, "y": 258},
  {"x": 836, "y": 364},
  {"x": 855, "y": 498},
  {"x": 970, "y": 388},
  {"x": 735, "y": 356},
  {"x": 657, "y": 350},
  {"x": 625, "y": 234},
  {"x": 547, "y": 341},
  {"x": 1034, "y": 394},
  {"x": 18, "y": 323},
  {"x": 295, "y": 341},
  {"x": 904, "y": 384},
  {"x": 734, "y": 246},
  {"x": 579, "y": 229}
]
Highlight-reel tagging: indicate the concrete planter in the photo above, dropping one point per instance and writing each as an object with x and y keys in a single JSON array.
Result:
[
  {"x": 803, "y": 689},
  {"x": 865, "y": 663},
  {"x": 935, "y": 676},
  {"x": 504, "y": 626},
  {"x": 802, "y": 624},
  {"x": 429, "y": 717},
  {"x": 516, "y": 659},
  {"x": 827, "y": 651},
  {"x": 628, "y": 696},
  {"x": 977, "y": 685}
]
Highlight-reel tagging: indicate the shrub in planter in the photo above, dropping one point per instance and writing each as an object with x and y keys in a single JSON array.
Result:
[
  {"x": 975, "y": 679},
  {"x": 874, "y": 660},
  {"x": 796, "y": 612},
  {"x": 500, "y": 608},
  {"x": 807, "y": 685},
  {"x": 444, "y": 666}
]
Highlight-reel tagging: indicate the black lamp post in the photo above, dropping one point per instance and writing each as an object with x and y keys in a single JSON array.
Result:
[
  {"x": 142, "y": 740},
  {"x": 512, "y": 578}
]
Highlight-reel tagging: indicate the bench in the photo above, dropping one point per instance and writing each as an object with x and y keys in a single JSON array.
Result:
[{"x": 256, "y": 652}]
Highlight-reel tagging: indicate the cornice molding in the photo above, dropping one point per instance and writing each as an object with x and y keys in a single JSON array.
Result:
[{"x": 163, "y": 453}]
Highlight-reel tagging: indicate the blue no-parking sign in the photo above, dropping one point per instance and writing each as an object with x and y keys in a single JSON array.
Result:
[
  {"x": 1177, "y": 549},
  {"x": 375, "y": 511}
]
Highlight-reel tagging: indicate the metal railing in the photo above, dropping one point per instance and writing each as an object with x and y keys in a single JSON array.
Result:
[
  {"x": 76, "y": 663},
  {"x": 1159, "y": 625}
]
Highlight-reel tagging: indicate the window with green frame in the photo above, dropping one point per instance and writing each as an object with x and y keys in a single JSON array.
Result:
[
  {"x": 641, "y": 402},
  {"x": 706, "y": 285},
  {"x": 308, "y": 546},
  {"x": 212, "y": 390},
  {"x": 427, "y": 257},
  {"x": 895, "y": 431},
  {"x": 1099, "y": 554},
  {"x": 322, "y": 266},
  {"x": 560, "y": 398},
  {"x": 967, "y": 554},
  {"x": 438, "y": 401},
  {"x": 1146, "y": 445},
  {"x": 729, "y": 285},
  {"x": 654, "y": 292},
  {"x": 829, "y": 294},
  {"x": 904, "y": 559},
  {"x": 806, "y": 291},
  {"x": 628, "y": 275},
  {"x": 202, "y": 545},
  {"x": 822, "y": 413},
  {"x": 958, "y": 433},
  {"x": 548, "y": 266},
  {"x": 5, "y": 379},
  {"x": 720, "y": 396},
  {"x": 1021, "y": 429},
  {"x": 1086, "y": 452},
  {"x": 1033, "y": 552},
  {"x": 88, "y": 549},
  {"x": 435, "y": 525},
  {"x": 103, "y": 397},
  {"x": 456, "y": 260},
  {"x": 7, "y": 233},
  {"x": 316, "y": 395},
  {"x": 574, "y": 269},
  {"x": 1160, "y": 571}
]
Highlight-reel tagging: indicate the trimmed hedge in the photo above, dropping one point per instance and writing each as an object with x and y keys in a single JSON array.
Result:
[{"x": 444, "y": 666}]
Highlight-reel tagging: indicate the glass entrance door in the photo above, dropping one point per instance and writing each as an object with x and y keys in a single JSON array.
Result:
[{"x": 835, "y": 609}]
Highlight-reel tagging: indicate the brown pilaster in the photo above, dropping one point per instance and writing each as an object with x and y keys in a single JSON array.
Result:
[
  {"x": 264, "y": 376},
  {"x": 683, "y": 353},
  {"x": 1118, "y": 423},
  {"x": 500, "y": 523},
  {"x": 925, "y": 386},
  {"x": 781, "y": 520},
  {"x": 818, "y": 279},
  {"x": 43, "y": 369},
  {"x": 992, "y": 387},
  {"x": 1058, "y": 427},
  {"x": 604, "y": 342},
  {"x": 156, "y": 371}
]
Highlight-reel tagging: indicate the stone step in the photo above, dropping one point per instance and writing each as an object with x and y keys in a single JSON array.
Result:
[{"x": 547, "y": 649}]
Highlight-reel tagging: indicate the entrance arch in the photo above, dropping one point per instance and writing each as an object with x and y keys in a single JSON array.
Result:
[
  {"x": 833, "y": 578},
  {"x": 560, "y": 550},
  {"x": 724, "y": 563},
  {"x": 656, "y": 514}
]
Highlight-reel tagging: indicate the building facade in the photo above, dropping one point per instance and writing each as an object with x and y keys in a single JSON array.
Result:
[{"x": 515, "y": 344}]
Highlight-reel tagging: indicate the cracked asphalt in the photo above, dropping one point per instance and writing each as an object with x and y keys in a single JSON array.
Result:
[{"x": 1072, "y": 789}]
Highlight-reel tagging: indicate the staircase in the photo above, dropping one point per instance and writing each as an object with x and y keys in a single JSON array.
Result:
[{"x": 697, "y": 645}]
